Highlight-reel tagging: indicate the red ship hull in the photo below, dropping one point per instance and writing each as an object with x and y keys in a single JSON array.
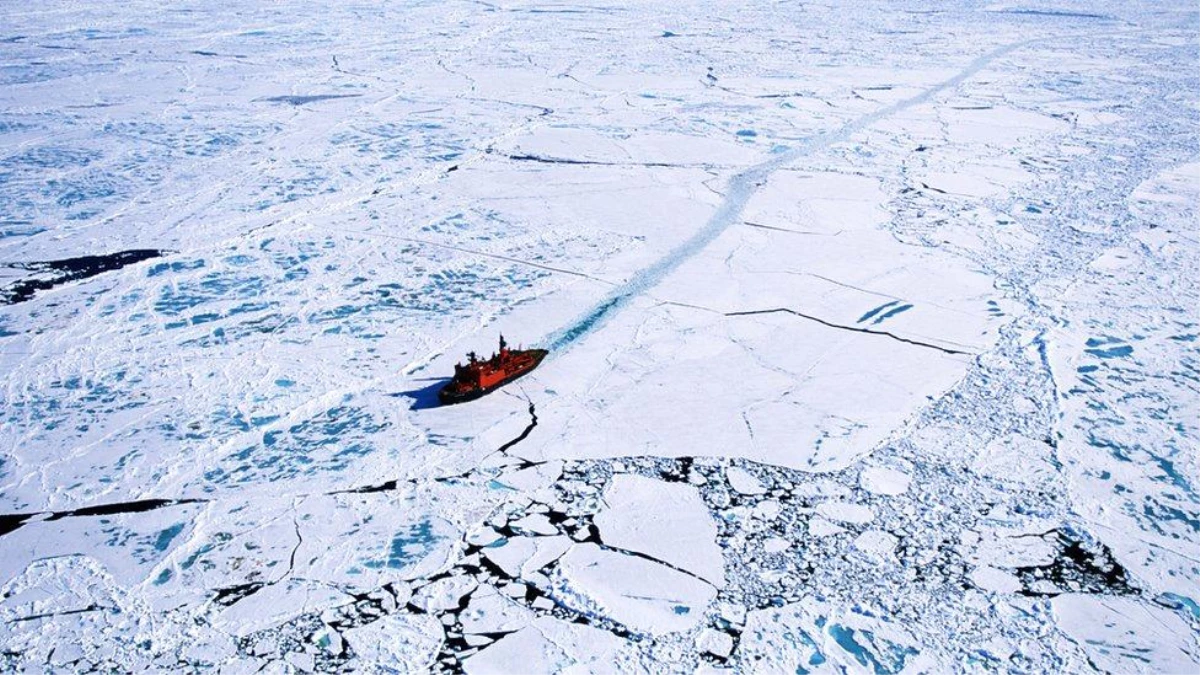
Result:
[{"x": 484, "y": 377}]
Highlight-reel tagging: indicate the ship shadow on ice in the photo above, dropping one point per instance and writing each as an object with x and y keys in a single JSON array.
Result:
[{"x": 425, "y": 397}]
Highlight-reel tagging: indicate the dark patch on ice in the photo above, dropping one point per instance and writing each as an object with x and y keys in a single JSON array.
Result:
[
  {"x": 540, "y": 159},
  {"x": 386, "y": 486},
  {"x": 1077, "y": 569},
  {"x": 1117, "y": 352},
  {"x": 137, "y": 506},
  {"x": 1179, "y": 603},
  {"x": 791, "y": 231},
  {"x": 10, "y": 522},
  {"x": 679, "y": 472},
  {"x": 1055, "y": 13},
  {"x": 303, "y": 100},
  {"x": 69, "y": 612},
  {"x": 58, "y": 272},
  {"x": 231, "y": 594},
  {"x": 425, "y": 397},
  {"x": 533, "y": 420}
]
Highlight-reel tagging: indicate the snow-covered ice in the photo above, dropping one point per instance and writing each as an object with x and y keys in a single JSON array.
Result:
[{"x": 874, "y": 337}]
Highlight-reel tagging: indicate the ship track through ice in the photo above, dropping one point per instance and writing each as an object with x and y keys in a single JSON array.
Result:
[{"x": 741, "y": 188}]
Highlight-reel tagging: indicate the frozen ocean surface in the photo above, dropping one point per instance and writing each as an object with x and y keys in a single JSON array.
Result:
[{"x": 875, "y": 336}]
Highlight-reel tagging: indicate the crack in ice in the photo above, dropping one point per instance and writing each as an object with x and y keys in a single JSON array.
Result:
[{"x": 855, "y": 329}]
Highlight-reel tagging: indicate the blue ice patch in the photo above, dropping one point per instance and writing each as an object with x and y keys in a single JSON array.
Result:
[
  {"x": 877, "y": 310},
  {"x": 167, "y": 536},
  {"x": 1117, "y": 352},
  {"x": 411, "y": 544},
  {"x": 890, "y": 313}
]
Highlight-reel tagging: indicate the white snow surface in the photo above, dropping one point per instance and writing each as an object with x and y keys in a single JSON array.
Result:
[{"x": 874, "y": 331}]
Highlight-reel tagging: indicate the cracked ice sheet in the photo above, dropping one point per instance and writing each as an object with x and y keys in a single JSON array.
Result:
[
  {"x": 815, "y": 242},
  {"x": 547, "y": 646},
  {"x": 646, "y": 596},
  {"x": 665, "y": 521},
  {"x": 695, "y": 384},
  {"x": 265, "y": 144}
]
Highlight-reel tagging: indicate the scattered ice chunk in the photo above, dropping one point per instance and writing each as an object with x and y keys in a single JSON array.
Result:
[
  {"x": 884, "y": 481},
  {"x": 276, "y": 603},
  {"x": 477, "y": 640},
  {"x": 876, "y": 542},
  {"x": 744, "y": 482},
  {"x": 484, "y": 536},
  {"x": 329, "y": 640},
  {"x": 301, "y": 661},
  {"x": 490, "y": 612},
  {"x": 514, "y": 590},
  {"x": 525, "y": 651},
  {"x": 1016, "y": 458},
  {"x": 819, "y": 527},
  {"x": 537, "y": 524},
  {"x": 766, "y": 509},
  {"x": 512, "y": 554},
  {"x": 443, "y": 594},
  {"x": 547, "y": 550},
  {"x": 846, "y": 512},
  {"x": 734, "y": 613},
  {"x": 1011, "y": 550},
  {"x": 775, "y": 544},
  {"x": 534, "y": 477},
  {"x": 714, "y": 642}
]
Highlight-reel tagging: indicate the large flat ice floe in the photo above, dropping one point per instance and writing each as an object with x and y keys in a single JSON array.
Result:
[{"x": 873, "y": 328}]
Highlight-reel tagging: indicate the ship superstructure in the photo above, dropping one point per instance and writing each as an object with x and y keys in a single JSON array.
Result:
[{"x": 481, "y": 376}]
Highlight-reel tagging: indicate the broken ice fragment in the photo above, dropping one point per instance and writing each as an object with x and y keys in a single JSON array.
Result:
[
  {"x": 884, "y": 481},
  {"x": 641, "y": 594},
  {"x": 666, "y": 521},
  {"x": 846, "y": 512},
  {"x": 744, "y": 482},
  {"x": 535, "y": 524}
]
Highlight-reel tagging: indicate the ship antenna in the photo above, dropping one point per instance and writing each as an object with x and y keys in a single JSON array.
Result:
[{"x": 502, "y": 343}]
